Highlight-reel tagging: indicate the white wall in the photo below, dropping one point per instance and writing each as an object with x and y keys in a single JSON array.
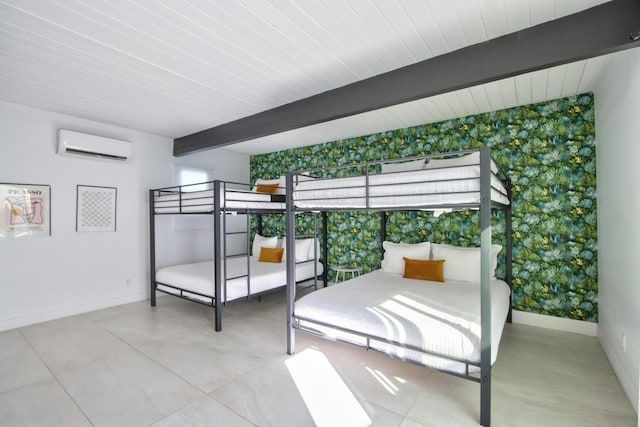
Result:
[
  {"x": 43, "y": 278},
  {"x": 618, "y": 163},
  {"x": 174, "y": 247}
]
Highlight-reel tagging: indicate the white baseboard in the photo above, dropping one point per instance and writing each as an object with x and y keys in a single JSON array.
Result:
[
  {"x": 625, "y": 378},
  {"x": 557, "y": 323},
  {"x": 57, "y": 313}
]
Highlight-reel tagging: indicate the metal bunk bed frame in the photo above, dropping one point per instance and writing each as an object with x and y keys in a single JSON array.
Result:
[
  {"x": 220, "y": 233},
  {"x": 486, "y": 206}
]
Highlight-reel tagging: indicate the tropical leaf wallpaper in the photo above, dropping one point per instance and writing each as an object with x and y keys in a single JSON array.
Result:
[{"x": 548, "y": 152}]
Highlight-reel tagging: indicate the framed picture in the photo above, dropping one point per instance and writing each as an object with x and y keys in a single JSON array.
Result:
[
  {"x": 26, "y": 210},
  {"x": 96, "y": 208}
]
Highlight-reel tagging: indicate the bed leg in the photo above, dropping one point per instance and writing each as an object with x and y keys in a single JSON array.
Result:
[
  {"x": 218, "y": 317},
  {"x": 291, "y": 340},
  {"x": 485, "y": 398}
]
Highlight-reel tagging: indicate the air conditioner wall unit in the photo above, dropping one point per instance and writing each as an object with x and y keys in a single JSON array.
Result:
[{"x": 72, "y": 143}]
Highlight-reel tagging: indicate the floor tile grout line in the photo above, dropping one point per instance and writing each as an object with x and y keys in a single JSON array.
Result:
[{"x": 77, "y": 405}]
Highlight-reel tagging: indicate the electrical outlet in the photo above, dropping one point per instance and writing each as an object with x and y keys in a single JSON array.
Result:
[{"x": 624, "y": 343}]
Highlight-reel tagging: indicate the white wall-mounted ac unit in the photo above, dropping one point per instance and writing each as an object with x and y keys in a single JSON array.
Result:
[{"x": 72, "y": 143}]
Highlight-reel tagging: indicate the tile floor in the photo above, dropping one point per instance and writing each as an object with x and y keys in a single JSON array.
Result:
[{"x": 134, "y": 365}]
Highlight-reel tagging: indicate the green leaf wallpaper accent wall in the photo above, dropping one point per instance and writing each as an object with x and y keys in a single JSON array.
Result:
[{"x": 548, "y": 152}]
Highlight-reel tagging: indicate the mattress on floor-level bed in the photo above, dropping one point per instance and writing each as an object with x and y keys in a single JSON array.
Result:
[
  {"x": 425, "y": 187},
  {"x": 166, "y": 202},
  {"x": 199, "y": 277},
  {"x": 433, "y": 316}
]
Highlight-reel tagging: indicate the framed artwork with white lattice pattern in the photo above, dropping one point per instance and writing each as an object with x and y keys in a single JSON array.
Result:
[{"x": 96, "y": 208}]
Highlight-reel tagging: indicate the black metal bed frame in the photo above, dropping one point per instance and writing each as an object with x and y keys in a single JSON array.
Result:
[
  {"x": 486, "y": 206},
  {"x": 219, "y": 212}
]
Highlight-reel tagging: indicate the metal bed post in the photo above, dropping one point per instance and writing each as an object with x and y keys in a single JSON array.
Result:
[
  {"x": 259, "y": 227},
  {"x": 291, "y": 264},
  {"x": 383, "y": 229},
  {"x": 509, "y": 255},
  {"x": 248, "y": 225},
  {"x": 485, "y": 286},
  {"x": 152, "y": 249},
  {"x": 325, "y": 250},
  {"x": 217, "y": 248},
  {"x": 315, "y": 250}
]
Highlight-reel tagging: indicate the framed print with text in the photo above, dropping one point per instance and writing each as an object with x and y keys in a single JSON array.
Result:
[
  {"x": 96, "y": 208},
  {"x": 26, "y": 210}
]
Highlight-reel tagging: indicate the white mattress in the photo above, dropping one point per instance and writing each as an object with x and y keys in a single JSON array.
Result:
[
  {"x": 202, "y": 201},
  {"x": 199, "y": 277},
  {"x": 426, "y": 187},
  {"x": 433, "y": 316}
]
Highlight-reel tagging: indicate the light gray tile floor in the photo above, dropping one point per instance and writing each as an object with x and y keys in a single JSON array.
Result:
[{"x": 135, "y": 365}]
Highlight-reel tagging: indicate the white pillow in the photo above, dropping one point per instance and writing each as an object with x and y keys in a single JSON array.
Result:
[
  {"x": 463, "y": 264},
  {"x": 392, "y": 261},
  {"x": 302, "y": 250},
  {"x": 466, "y": 160},
  {"x": 403, "y": 167},
  {"x": 311, "y": 254},
  {"x": 261, "y": 241}
]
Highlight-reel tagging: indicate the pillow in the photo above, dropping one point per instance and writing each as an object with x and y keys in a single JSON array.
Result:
[
  {"x": 403, "y": 166},
  {"x": 302, "y": 250},
  {"x": 466, "y": 160},
  {"x": 267, "y": 188},
  {"x": 271, "y": 254},
  {"x": 310, "y": 253},
  {"x": 261, "y": 241},
  {"x": 430, "y": 269},
  {"x": 393, "y": 261},
  {"x": 463, "y": 264},
  {"x": 273, "y": 186}
]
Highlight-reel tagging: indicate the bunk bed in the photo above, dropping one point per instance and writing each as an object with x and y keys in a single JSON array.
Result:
[
  {"x": 227, "y": 277},
  {"x": 454, "y": 327}
]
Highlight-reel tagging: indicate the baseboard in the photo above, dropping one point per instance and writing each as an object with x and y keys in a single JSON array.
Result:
[
  {"x": 57, "y": 313},
  {"x": 556, "y": 323},
  {"x": 628, "y": 385}
]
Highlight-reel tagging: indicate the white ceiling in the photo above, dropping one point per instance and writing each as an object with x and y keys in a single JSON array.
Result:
[{"x": 174, "y": 67}]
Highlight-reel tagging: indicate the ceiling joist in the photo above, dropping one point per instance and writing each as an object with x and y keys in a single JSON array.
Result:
[{"x": 600, "y": 30}]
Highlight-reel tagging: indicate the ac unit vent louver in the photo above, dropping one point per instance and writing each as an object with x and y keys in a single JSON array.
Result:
[{"x": 72, "y": 143}]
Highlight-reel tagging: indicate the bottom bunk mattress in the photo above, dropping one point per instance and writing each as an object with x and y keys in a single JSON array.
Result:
[
  {"x": 198, "y": 278},
  {"x": 443, "y": 318}
]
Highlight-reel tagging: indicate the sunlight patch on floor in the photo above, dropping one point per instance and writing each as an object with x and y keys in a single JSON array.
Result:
[{"x": 328, "y": 399}]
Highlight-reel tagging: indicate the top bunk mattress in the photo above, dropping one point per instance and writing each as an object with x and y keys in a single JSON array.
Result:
[
  {"x": 419, "y": 188},
  {"x": 432, "y": 316},
  {"x": 170, "y": 201}
]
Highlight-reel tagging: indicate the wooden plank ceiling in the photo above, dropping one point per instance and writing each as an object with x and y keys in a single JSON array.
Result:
[{"x": 174, "y": 67}]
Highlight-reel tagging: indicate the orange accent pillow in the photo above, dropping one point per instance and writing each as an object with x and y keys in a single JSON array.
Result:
[
  {"x": 267, "y": 188},
  {"x": 270, "y": 254},
  {"x": 429, "y": 269}
]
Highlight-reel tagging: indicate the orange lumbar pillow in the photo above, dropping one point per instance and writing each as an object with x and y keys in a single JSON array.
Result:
[
  {"x": 267, "y": 188},
  {"x": 424, "y": 269},
  {"x": 271, "y": 254}
]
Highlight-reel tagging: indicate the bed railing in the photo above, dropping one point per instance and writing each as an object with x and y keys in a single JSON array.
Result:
[{"x": 366, "y": 186}]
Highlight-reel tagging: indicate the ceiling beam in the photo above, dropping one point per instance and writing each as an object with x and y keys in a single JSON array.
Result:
[{"x": 600, "y": 30}]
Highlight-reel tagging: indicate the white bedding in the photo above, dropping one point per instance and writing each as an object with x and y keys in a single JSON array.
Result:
[
  {"x": 202, "y": 201},
  {"x": 439, "y": 317},
  {"x": 199, "y": 277},
  {"x": 426, "y": 187}
]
